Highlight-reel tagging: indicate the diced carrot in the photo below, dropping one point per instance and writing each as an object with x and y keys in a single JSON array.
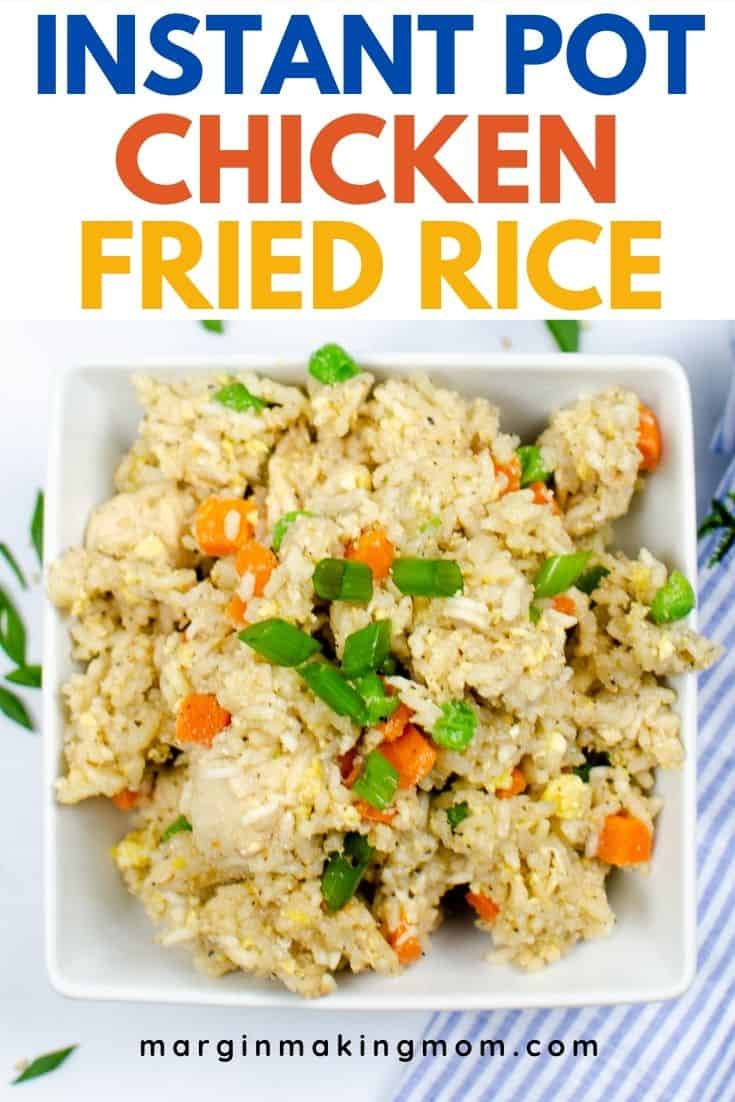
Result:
[
  {"x": 374, "y": 549},
  {"x": 235, "y": 612},
  {"x": 125, "y": 800},
  {"x": 200, "y": 718},
  {"x": 393, "y": 727},
  {"x": 223, "y": 524},
  {"x": 565, "y": 604},
  {"x": 517, "y": 785},
  {"x": 486, "y": 909},
  {"x": 348, "y": 769},
  {"x": 253, "y": 558},
  {"x": 624, "y": 840},
  {"x": 544, "y": 495},
  {"x": 373, "y": 815},
  {"x": 407, "y": 949},
  {"x": 413, "y": 755},
  {"x": 512, "y": 472},
  {"x": 649, "y": 439}
]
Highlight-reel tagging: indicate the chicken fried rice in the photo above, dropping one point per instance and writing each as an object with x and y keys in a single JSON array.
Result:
[{"x": 349, "y": 651}]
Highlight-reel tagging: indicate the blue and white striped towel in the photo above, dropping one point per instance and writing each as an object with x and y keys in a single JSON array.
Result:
[{"x": 660, "y": 1052}]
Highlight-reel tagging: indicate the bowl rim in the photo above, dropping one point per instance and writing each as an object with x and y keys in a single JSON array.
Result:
[{"x": 564, "y": 364}]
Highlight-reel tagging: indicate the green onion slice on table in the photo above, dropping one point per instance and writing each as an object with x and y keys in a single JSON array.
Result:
[
  {"x": 378, "y": 781},
  {"x": 280, "y": 642},
  {"x": 343, "y": 580},
  {"x": 344, "y": 871},
  {"x": 427, "y": 577}
]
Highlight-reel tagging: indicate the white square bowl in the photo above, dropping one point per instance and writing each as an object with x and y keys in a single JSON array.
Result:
[{"x": 99, "y": 944}]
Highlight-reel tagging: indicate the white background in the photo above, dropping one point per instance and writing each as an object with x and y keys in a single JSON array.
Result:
[
  {"x": 33, "y": 1019},
  {"x": 675, "y": 156}
]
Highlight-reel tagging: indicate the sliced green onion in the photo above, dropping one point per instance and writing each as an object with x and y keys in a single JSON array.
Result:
[
  {"x": 237, "y": 396},
  {"x": 457, "y": 814},
  {"x": 344, "y": 871},
  {"x": 29, "y": 676},
  {"x": 534, "y": 613},
  {"x": 389, "y": 667},
  {"x": 366, "y": 649},
  {"x": 565, "y": 333},
  {"x": 12, "y": 562},
  {"x": 590, "y": 580},
  {"x": 592, "y": 760},
  {"x": 283, "y": 525},
  {"x": 212, "y": 325},
  {"x": 533, "y": 468},
  {"x": 378, "y": 781},
  {"x": 674, "y": 600},
  {"x": 12, "y": 631},
  {"x": 559, "y": 573},
  {"x": 176, "y": 827},
  {"x": 37, "y": 521},
  {"x": 428, "y": 577},
  {"x": 343, "y": 580},
  {"x": 330, "y": 364},
  {"x": 456, "y": 726},
  {"x": 14, "y": 708},
  {"x": 377, "y": 702},
  {"x": 279, "y": 642},
  {"x": 329, "y": 685},
  {"x": 42, "y": 1065},
  {"x": 431, "y": 522}
]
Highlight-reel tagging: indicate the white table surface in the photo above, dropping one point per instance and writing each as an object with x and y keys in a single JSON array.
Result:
[{"x": 33, "y": 1019}]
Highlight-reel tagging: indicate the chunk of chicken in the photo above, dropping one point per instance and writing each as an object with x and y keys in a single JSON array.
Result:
[{"x": 146, "y": 523}]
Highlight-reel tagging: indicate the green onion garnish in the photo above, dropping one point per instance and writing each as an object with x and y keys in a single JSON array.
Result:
[
  {"x": 674, "y": 600},
  {"x": 344, "y": 871},
  {"x": 377, "y": 702},
  {"x": 427, "y": 577},
  {"x": 559, "y": 573},
  {"x": 283, "y": 525},
  {"x": 329, "y": 685},
  {"x": 534, "y": 613},
  {"x": 456, "y": 726},
  {"x": 366, "y": 649},
  {"x": 28, "y": 676},
  {"x": 533, "y": 468},
  {"x": 343, "y": 580},
  {"x": 457, "y": 814},
  {"x": 176, "y": 827},
  {"x": 37, "y": 522},
  {"x": 330, "y": 364},
  {"x": 389, "y": 666},
  {"x": 279, "y": 642},
  {"x": 12, "y": 562},
  {"x": 237, "y": 396},
  {"x": 12, "y": 631},
  {"x": 14, "y": 708},
  {"x": 592, "y": 759},
  {"x": 589, "y": 581},
  {"x": 378, "y": 781}
]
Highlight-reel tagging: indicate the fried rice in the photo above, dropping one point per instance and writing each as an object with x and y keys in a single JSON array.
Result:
[{"x": 572, "y": 711}]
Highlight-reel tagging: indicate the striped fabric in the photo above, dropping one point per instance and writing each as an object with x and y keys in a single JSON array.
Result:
[{"x": 660, "y": 1052}]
